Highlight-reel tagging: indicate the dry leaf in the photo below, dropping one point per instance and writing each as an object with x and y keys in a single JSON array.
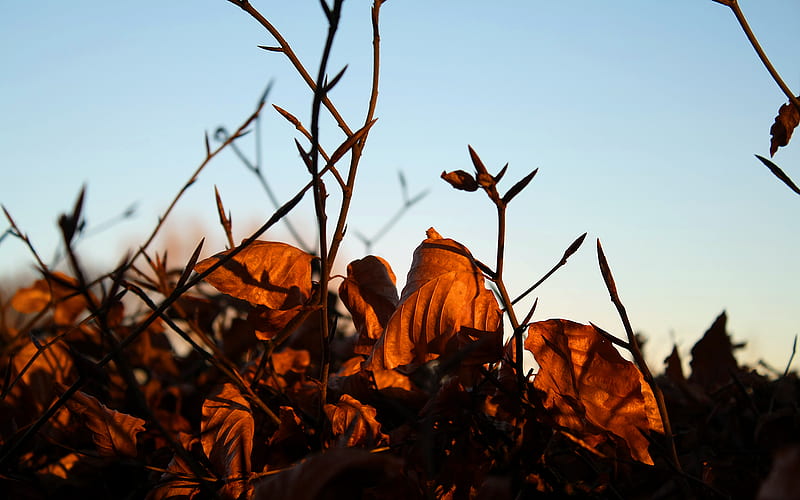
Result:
[
  {"x": 176, "y": 482},
  {"x": 266, "y": 273},
  {"x": 370, "y": 294},
  {"x": 266, "y": 323},
  {"x": 443, "y": 289},
  {"x": 113, "y": 433},
  {"x": 68, "y": 303},
  {"x": 354, "y": 423},
  {"x": 674, "y": 369},
  {"x": 226, "y": 433},
  {"x": 781, "y": 131},
  {"x": 712, "y": 357},
  {"x": 37, "y": 387},
  {"x": 587, "y": 381},
  {"x": 460, "y": 179},
  {"x": 291, "y": 360}
]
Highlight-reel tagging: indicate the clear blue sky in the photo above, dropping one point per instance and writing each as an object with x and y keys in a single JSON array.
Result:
[{"x": 643, "y": 117}]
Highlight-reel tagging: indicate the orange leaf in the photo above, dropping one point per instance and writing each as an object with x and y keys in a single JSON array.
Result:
[
  {"x": 266, "y": 273},
  {"x": 370, "y": 294},
  {"x": 68, "y": 303},
  {"x": 781, "y": 131},
  {"x": 113, "y": 433},
  {"x": 37, "y": 385},
  {"x": 439, "y": 298},
  {"x": 354, "y": 423},
  {"x": 226, "y": 433},
  {"x": 588, "y": 385}
]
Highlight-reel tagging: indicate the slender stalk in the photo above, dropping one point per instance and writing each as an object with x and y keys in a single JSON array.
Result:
[
  {"x": 320, "y": 195},
  {"x": 289, "y": 53},
  {"x": 636, "y": 351},
  {"x": 740, "y": 17},
  {"x": 358, "y": 148}
]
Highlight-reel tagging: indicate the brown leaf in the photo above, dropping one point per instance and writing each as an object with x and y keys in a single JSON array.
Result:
[
  {"x": 354, "y": 423},
  {"x": 674, "y": 369},
  {"x": 290, "y": 360},
  {"x": 781, "y": 131},
  {"x": 226, "y": 433},
  {"x": 588, "y": 384},
  {"x": 460, "y": 179},
  {"x": 59, "y": 290},
  {"x": 713, "y": 361},
  {"x": 267, "y": 273},
  {"x": 439, "y": 298},
  {"x": 370, "y": 294},
  {"x": 267, "y": 323},
  {"x": 37, "y": 386},
  {"x": 113, "y": 433},
  {"x": 177, "y": 481},
  {"x": 338, "y": 473}
]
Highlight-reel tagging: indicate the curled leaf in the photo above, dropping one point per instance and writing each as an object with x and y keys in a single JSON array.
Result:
[
  {"x": 589, "y": 386},
  {"x": 267, "y": 273},
  {"x": 460, "y": 179},
  {"x": 354, "y": 423},
  {"x": 113, "y": 433},
  {"x": 443, "y": 288},
  {"x": 781, "y": 131},
  {"x": 370, "y": 294}
]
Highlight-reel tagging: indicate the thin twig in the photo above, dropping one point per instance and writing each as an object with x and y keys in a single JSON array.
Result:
[
  {"x": 636, "y": 351},
  {"x": 740, "y": 17}
]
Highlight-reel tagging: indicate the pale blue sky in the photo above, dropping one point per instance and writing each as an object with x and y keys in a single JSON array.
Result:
[{"x": 643, "y": 117}]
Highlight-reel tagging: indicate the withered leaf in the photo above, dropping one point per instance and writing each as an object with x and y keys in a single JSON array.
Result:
[
  {"x": 267, "y": 273},
  {"x": 58, "y": 289},
  {"x": 296, "y": 360},
  {"x": 674, "y": 368},
  {"x": 370, "y": 294},
  {"x": 226, "y": 433},
  {"x": 177, "y": 481},
  {"x": 781, "y": 131},
  {"x": 713, "y": 361},
  {"x": 114, "y": 433},
  {"x": 460, "y": 179},
  {"x": 354, "y": 423},
  {"x": 38, "y": 381},
  {"x": 586, "y": 381},
  {"x": 439, "y": 298}
]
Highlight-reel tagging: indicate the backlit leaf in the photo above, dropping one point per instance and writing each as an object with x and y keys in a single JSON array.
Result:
[
  {"x": 113, "y": 433},
  {"x": 781, "y": 131},
  {"x": 439, "y": 298},
  {"x": 226, "y": 433},
  {"x": 266, "y": 273},
  {"x": 370, "y": 294},
  {"x": 58, "y": 289},
  {"x": 589, "y": 385},
  {"x": 354, "y": 423}
]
